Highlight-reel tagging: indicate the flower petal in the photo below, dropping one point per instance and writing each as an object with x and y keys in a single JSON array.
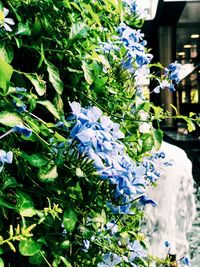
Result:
[
  {"x": 7, "y": 28},
  {"x": 5, "y": 11},
  {"x": 9, "y": 21}
]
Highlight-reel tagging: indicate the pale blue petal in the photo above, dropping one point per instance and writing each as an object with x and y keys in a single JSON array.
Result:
[{"x": 76, "y": 108}]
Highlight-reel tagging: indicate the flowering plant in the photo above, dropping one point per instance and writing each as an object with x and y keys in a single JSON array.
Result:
[{"x": 76, "y": 133}]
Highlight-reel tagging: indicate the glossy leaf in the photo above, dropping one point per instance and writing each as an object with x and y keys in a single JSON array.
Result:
[
  {"x": 29, "y": 247},
  {"x": 36, "y": 259},
  {"x": 48, "y": 173},
  {"x": 157, "y": 136},
  {"x": 1, "y": 262},
  {"x": 23, "y": 29},
  {"x": 69, "y": 219},
  {"x": 36, "y": 160},
  {"x": 77, "y": 30},
  {"x": 25, "y": 205},
  {"x": 38, "y": 83},
  {"x": 51, "y": 108},
  {"x": 87, "y": 72},
  {"x": 6, "y": 72},
  {"x": 54, "y": 77},
  {"x": 6, "y": 52},
  {"x": 10, "y": 119}
]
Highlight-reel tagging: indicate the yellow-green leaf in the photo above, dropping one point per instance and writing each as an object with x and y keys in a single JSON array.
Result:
[
  {"x": 6, "y": 72},
  {"x": 51, "y": 108},
  {"x": 54, "y": 77},
  {"x": 38, "y": 83},
  {"x": 10, "y": 119}
]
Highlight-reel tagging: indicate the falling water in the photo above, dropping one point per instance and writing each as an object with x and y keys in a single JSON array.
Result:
[{"x": 172, "y": 219}]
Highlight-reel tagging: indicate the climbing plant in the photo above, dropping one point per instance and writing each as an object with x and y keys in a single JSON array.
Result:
[{"x": 77, "y": 133}]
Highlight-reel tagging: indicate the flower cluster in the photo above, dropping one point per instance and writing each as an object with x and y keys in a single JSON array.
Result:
[
  {"x": 134, "y": 9},
  {"x": 136, "y": 57},
  {"x": 135, "y": 250},
  {"x": 98, "y": 137},
  {"x": 171, "y": 77}
]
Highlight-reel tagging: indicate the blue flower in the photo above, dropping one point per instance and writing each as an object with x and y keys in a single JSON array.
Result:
[
  {"x": 136, "y": 250},
  {"x": 167, "y": 244},
  {"x": 134, "y": 9},
  {"x": 5, "y": 157},
  {"x": 20, "y": 129},
  {"x": 107, "y": 47},
  {"x": 144, "y": 200},
  {"x": 136, "y": 56},
  {"x": 109, "y": 260},
  {"x": 186, "y": 261},
  {"x": 172, "y": 71},
  {"x": 86, "y": 245},
  {"x": 112, "y": 227}
]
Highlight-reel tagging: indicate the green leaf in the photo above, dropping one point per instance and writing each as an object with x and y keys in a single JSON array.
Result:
[
  {"x": 25, "y": 205},
  {"x": 191, "y": 114},
  {"x": 29, "y": 247},
  {"x": 67, "y": 4},
  {"x": 77, "y": 31},
  {"x": 76, "y": 6},
  {"x": 190, "y": 125},
  {"x": 10, "y": 119},
  {"x": 6, "y": 52},
  {"x": 51, "y": 108},
  {"x": 54, "y": 77},
  {"x": 100, "y": 218},
  {"x": 18, "y": 41},
  {"x": 36, "y": 259},
  {"x": 158, "y": 137},
  {"x": 6, "y": 72},
  {"x": 38, "y": 83},
  {"x": 147, "y": 144},
  {"x": 48, "y": 173},
  {"x": 66, "y": 263},
  {"x": 99, "y": 84},
  {"x": 60, "y": 137},
  {"x": 87, "y": 72},
  {"x": 101, "y": 59},
  {"x": 92, "y": 13},
  {"x": 36, "y": 160},
  {"x": 65, "y": 244},
  {"x": 23, "y": 29},
  {"x": 9, "y": 183},
  {"x": 58, "y": 102},
  {"x": 30, "y": 212},
  {"x": 3, "y": 203},
  {"x": 69, "y": 219},
  {"x": 1, "y": 262}
]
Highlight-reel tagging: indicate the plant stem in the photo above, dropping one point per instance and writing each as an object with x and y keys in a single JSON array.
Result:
[{"x": 7, "y": 133}]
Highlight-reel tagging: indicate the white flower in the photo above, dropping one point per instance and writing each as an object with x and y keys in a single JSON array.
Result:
[
  {"x": 5, "y": 22},
  {"x": 144, "y": 127},
  {"x": 143, "y": 115}
]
